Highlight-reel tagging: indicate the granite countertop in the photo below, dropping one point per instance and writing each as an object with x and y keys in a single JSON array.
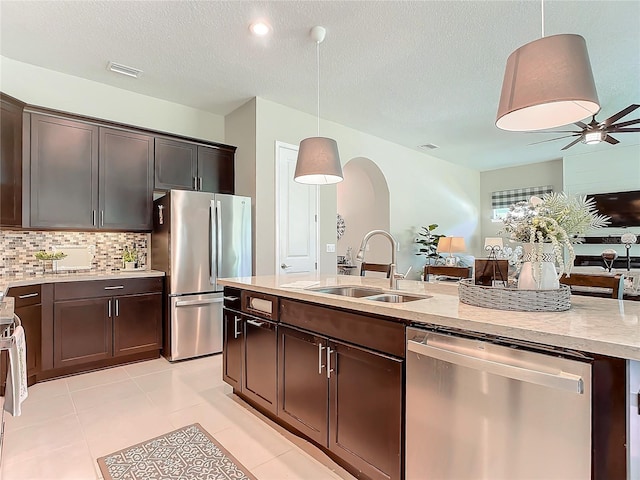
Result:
[
  {"x": 19, "y": 280},
  {"x": 599, "y": 325}
]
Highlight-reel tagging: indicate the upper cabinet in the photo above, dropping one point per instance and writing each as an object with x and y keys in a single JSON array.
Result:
[
  {"x": 188, "y": 166},
  {"x": 10, "y": 161},
  {"x": 87, "y": 176}
]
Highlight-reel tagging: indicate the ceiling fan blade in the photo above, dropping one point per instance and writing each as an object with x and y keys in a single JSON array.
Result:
[
  {"x": 572, "y": 143},
  {"x": 582, "y": 125},
  {"x": 619, "y": 115},
  {"x": 553, "y": 139},
  {"x": 622, "y": 130},
  {"x": 624, "y": 124},
  {"x": 551, "y": 132},
  {"x": 611, "y": 140}
]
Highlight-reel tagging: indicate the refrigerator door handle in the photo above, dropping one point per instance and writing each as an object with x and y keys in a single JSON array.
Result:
[
  {"x": 213, "y": 274},
  {"x": 219, "y": 237},
  {"x": 188, "y": 303}
]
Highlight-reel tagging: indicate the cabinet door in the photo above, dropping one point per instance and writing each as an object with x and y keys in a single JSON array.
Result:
[
  {"x": 137, "y": 324},
  {"x": 176, "y": 165},
  {"x": 303, "y": 400},
  {"x": 82, "y": 331},
  {"x": 215, "y": 170},
  {"x": 126, "y": 180},
  {"x": 64, "y": 173},
  {"x": 232, "y": 348},
  {"x": 10, "y": 161},
  {"x": 365, "y": 407},
  {"x": 260, "y": 362}
]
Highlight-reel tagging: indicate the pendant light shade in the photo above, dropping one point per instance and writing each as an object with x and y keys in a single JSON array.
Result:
[
  {"x": 318, "y": 161},
  {"x": 547, "y": 83}
]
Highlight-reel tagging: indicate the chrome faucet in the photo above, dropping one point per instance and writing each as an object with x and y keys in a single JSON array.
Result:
[{"x": 393, "y": 275}]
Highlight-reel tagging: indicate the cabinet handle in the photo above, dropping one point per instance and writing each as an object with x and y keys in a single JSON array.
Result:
[
  {"x": 200, "y": 183},
  {"x": 232, "y": 299},
  {"x": 118, "y": 287},
  {"x": 93, "y": 218},
  {"x": 28, "y": 295},
  {"x": 320, "y": 365},
  {"x": 254, "y": 323},
  {"x": 117, "y": 307},
  {"x": 236, "y": 321},
  {"x": 109, "y": 308},
  {"x": 195, "y": 183},
  {"x": 329, "y": 369},
  {"x": 102, "y": 218}
]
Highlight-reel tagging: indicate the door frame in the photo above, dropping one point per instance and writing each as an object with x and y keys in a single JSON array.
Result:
[{"x": 278, "y": 147}]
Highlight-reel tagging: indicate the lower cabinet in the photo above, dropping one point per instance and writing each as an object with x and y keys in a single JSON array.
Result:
[
  {"x": 306, "y": 371},
  {"x": 105, "y": 321},
  {"x": 345, "y": 398}
]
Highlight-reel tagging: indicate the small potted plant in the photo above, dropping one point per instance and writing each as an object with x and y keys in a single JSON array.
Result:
[
  {"x": 129, "y": 258},
  {"x": 48, "y": 258}
]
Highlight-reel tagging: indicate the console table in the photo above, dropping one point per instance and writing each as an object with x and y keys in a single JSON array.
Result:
[{"x": 459, "y": 272}]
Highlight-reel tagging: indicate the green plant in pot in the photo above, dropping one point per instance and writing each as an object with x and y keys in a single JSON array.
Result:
[
  {"x": 129, "y": 258},
  {"x": 47, "y": 259},
  {"x": 428, "y": 241}
]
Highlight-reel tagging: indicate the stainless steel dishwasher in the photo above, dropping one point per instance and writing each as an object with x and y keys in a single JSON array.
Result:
[{"x": 481, "y": 407}]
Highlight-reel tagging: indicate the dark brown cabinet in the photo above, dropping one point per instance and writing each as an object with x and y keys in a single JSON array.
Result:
[
  {"x": 86, "y": 176},
  {"x": 233, "y": 348},
  {"x": 28, "y": 306},
  {"x": 126, "y": 180},
  {"x": 259, "y": 382},
  {"x": 106, "y": 321},
  {"x": 188, "y": 166},
  {"x": 64, "y": 173},
  {"x": 10, "y": 161}
]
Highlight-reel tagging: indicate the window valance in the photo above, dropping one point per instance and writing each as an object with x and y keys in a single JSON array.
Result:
[{"x": 504, "y": 198}]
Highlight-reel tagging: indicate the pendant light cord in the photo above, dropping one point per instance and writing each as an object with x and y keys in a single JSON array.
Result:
[
  {"x": 318, "y": 82},
  {"x": 542, "y": 12}
]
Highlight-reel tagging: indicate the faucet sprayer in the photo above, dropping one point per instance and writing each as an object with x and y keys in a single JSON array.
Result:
[{"x": 393, "y": 275}]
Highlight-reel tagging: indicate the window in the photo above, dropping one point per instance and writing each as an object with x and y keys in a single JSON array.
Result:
[{"x": 500, "y": 201}]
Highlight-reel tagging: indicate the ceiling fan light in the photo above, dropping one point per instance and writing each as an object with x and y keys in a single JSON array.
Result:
[
  {"x": 318, "y": 162},
  {"x": 591, "y": 138},
  {"x": 547, "y": 83}
]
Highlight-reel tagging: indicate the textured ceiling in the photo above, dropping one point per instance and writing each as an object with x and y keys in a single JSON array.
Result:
[{"x": 409, "y": 72}]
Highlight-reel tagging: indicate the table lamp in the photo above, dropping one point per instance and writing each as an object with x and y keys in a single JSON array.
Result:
[{"x": 451, "y": 245}]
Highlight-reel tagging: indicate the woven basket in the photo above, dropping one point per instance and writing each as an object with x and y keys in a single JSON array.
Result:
[{"x": 502, "y": 298}]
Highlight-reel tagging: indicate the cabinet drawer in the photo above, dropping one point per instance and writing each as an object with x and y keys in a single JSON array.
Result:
[
  {"x": 25, "y": 296},
  {"x": 232, "y": 298},
  {"x": 376, "y": 333},
  {"x": 260, "y": 304},
  {"x": 106, "y": 288}
]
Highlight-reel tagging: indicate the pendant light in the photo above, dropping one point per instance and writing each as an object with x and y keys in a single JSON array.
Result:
[
  {"x": 547, "y": 83},
  {"x": 318, "y": 161}
]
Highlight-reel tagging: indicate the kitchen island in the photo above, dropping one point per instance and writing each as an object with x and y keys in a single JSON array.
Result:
[{"x": 308, "y": 326}]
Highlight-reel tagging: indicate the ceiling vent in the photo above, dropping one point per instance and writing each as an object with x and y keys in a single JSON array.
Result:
[
  {"x": 428, "y": 146},
  {"x": 124, "y": 70}
]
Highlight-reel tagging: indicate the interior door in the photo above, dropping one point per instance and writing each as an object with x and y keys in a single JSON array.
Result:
[{"x": 297, "y": 212}]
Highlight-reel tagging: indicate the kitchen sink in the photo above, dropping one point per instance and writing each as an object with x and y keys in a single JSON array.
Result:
[
  {"x": 396, "y": 298},
  {"x": 348, "y": 291}
]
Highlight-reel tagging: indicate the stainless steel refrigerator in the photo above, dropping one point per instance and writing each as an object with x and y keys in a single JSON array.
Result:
[{"x": 197, "y": 238}]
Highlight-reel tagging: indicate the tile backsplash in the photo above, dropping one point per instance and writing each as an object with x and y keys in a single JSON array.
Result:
[{"x": 17, "y": 248}]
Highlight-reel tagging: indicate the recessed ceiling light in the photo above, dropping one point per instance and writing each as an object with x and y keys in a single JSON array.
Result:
[
  {"x": 260, "y": 28},
  {"x": 428, "y": 146},
  {"x": 124, "y": 70}
]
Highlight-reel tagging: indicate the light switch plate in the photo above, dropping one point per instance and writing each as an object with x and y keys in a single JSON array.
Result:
[{"x": 331, "y": 247}]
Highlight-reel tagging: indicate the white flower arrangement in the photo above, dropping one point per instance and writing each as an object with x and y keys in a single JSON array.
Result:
[{"x": 556, "y": 218}]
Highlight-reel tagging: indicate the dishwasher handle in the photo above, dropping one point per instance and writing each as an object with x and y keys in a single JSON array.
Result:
[
  {"x": 190, "y": 303},
  {"x": 560, "y": 381}
]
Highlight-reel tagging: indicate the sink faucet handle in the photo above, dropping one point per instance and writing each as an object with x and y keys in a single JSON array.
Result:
[{"x": 404, "y": 275}]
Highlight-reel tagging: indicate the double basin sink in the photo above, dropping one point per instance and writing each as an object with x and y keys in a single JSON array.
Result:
[{"x": 368, "y": 293}]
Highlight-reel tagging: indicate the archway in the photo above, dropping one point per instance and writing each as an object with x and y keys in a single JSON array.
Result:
[{"x": 363, "y": 203}]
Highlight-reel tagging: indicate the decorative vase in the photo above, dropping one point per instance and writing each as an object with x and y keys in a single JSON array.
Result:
[{"x": 539, "y": 275}]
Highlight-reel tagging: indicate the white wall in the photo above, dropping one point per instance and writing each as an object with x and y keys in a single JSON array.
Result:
[
  {"x": 533, "y": 175},
  {"x": 423, "y": 189},
  {"x": 47, "y": 88},
  {"x": 609, "y": 169}
]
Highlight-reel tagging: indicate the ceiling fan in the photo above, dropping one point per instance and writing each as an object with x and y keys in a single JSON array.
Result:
[{"x": 596, "y": 132}]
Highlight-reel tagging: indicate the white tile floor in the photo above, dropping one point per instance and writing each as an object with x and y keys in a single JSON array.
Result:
[{"x": 67, "y": 423}]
